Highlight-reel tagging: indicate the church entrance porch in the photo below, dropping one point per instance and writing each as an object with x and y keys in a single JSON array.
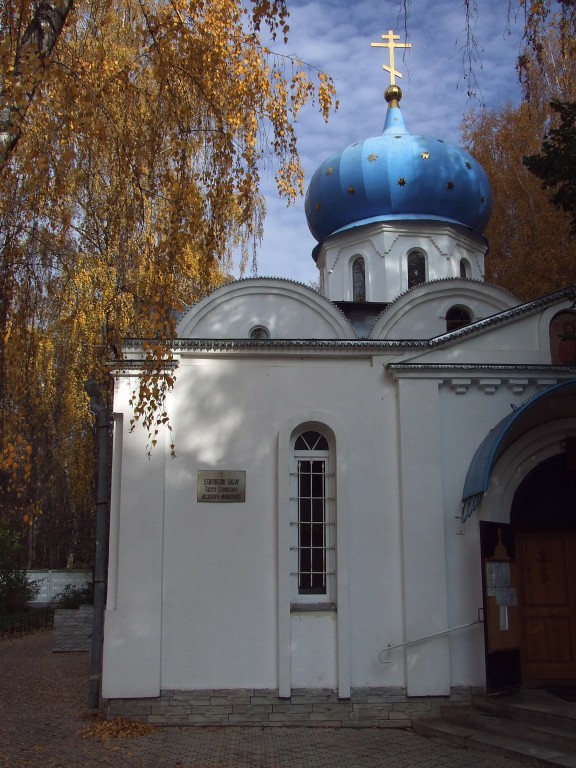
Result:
[{"x": 529, "y": 581}]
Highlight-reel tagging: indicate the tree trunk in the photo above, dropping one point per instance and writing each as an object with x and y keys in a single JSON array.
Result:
[{"x": 30, "y": 62}]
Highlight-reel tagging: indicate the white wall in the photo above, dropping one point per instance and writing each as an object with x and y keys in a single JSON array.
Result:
[
  {"x": 215, "y": 564},
  {"x": 194, "y": 587}
]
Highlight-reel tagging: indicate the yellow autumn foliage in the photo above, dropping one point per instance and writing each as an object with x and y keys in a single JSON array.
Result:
[
  {"x": 134, "y": 180},
  {"x": 531, "y": 250}
]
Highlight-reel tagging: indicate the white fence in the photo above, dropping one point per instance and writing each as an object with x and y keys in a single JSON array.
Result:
[{"x": 52, "y": 583}]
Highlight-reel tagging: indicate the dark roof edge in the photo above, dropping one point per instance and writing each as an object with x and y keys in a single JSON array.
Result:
[
  {"x": 297, "y": 344},
  {"x": 491, "y": 367}
]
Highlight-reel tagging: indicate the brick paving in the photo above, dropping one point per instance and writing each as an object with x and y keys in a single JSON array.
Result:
[{"x": 43, "y": 713}]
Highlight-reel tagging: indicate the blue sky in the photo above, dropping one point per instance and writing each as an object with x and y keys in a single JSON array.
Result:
[{"x": 335, "y": 36}]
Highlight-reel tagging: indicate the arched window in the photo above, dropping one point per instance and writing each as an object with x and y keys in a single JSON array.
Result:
[
  {"x": 563, "y": 338},
  {"x": 457, "y": 317},
  {"x": 313, "y": 520},
  {"x": 259, "y": 332},
  {"x": 465, "y": 270},
  {"x": 358, "y": 279},
  {"x": 416, "y": 268}
]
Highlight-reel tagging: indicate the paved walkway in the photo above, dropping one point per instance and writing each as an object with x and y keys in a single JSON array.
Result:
[{"x": 43, "y": 713}]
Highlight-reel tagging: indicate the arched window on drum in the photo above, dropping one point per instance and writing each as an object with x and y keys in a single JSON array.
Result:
[
  {"x": 359, "y": 279},
  {"x": 416, "y": 263}
]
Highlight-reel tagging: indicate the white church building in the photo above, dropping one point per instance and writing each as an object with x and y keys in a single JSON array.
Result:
[{"x": 372, "y": 509}]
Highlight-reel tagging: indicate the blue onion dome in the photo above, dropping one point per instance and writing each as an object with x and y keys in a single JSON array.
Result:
[{"x": 397, "y": 176}]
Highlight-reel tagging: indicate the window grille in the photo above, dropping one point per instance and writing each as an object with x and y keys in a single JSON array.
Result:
[{"x": 313, "y": 520}]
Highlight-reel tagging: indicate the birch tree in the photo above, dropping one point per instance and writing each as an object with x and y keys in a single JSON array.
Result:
[{"x": 133, "y": 135}]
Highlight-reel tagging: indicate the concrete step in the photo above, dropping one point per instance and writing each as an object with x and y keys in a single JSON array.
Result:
[
  {"x": 530, "y": 706},
  {"x": 549, "y": 733},
  {"x": 519, "y": 749},
  {"x": 531, "y": 726}
]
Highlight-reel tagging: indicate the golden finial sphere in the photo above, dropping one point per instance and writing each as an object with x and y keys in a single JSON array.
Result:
[{"x": 393, "y": 93}]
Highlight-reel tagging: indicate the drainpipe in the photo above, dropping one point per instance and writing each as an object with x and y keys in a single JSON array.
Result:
[{"x": 103, "y": 425}]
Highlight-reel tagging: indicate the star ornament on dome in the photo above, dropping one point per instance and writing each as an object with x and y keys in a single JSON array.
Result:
[{"x": 391, "y": 44}]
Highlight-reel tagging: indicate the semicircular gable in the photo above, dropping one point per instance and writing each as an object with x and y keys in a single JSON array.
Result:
[
  {"x": 286, "y": 310},
  {"x": 420, "y": 313}
]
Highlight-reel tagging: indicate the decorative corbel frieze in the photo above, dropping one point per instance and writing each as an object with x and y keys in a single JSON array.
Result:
[
  {"x": 545, "y": 383},
  {"x": 518, "y": 385},
  {"x": 460, "y": 386},
  {"x": 490, "y": 385}
]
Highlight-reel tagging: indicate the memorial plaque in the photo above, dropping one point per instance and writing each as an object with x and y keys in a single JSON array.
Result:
[{"x": 221, "y": 486}]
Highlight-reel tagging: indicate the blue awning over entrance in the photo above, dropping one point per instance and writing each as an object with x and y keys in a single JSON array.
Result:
[{"x": 506, "y": 431}]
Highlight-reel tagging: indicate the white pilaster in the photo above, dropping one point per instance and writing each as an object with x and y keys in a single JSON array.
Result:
[
  {"x": 423, "y": 546},
  {"x": 133, "y": 620}
]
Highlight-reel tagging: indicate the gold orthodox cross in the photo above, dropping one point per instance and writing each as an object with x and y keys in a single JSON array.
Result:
[{"x": 391, "y": 44}]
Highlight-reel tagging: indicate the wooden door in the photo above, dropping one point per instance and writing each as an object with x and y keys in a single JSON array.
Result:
[{"x": 547, "y": 592}]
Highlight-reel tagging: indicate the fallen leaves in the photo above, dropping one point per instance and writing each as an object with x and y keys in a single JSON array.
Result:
[{"x": 118, "y": 728}]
